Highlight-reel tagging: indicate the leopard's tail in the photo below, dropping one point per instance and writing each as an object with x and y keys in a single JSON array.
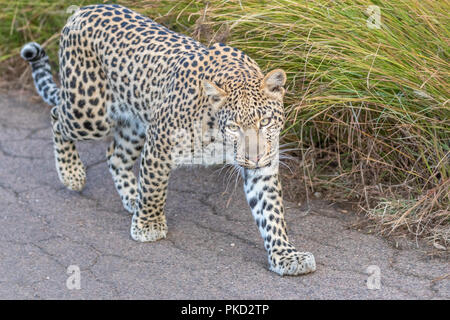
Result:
[{"x": 42, "y": 74}]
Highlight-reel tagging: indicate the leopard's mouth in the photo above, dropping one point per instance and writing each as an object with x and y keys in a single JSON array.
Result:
[
  {"x": 265, "y": 161},
  {"x": 254, "y": 166}
]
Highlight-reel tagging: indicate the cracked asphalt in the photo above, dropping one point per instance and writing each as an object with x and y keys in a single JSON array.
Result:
[{"x": 213, "y": 249}]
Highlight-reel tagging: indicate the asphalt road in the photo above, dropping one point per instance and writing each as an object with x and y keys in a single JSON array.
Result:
[{"x": 213, "y": 249}]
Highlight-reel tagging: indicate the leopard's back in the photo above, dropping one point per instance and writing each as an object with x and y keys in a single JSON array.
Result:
[{"x": 132, "y": 60}]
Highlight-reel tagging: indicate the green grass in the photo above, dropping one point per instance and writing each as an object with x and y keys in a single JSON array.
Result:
[{"x": 368, "y": 108}]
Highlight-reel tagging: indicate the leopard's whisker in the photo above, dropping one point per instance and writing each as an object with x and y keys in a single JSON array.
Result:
[
  {"x": 238, "y": 176},
  {"x": 231, "y": 171},
  {"x": 220, "y": 169},
  {"x": 286, "y": 144},
  {"x": 288, "y": 157},
  {"x": 287, "y": 150},
  {"x": 286, "y": 165}
]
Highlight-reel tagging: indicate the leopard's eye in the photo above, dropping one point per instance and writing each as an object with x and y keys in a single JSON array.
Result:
[
  {"x": 233, "y": 127},
  {"x": 264, "y": 122}
]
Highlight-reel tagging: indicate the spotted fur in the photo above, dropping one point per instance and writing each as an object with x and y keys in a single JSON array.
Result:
[{"x": 123, "y": 74}]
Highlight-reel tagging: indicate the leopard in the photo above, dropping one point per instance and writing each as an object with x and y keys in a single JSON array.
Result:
[{"x": 157, "y": 94}]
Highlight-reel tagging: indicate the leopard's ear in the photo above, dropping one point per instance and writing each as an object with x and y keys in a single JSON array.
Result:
[
  {"x": 273, "y": 83},
  {"x": 216, "y": 96}
]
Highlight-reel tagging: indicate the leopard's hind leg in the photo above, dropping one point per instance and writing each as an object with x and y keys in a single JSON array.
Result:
[
  {"x": 71, "y": 171},
  {"x": 129, "y": 137}
]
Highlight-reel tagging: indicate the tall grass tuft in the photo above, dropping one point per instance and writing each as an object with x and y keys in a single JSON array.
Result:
[{"x": 367, "y": 107}]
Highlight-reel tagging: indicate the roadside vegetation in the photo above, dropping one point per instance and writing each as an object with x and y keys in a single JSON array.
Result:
[{"x": 367, "y": 103}]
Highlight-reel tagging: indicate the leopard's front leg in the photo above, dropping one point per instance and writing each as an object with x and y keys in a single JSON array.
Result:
[
  {"x": 263, "y": 191},
  {"x": 149, "y": 220}
]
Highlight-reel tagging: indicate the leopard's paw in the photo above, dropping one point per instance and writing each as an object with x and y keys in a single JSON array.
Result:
[
  {"x": 129, "y": 204},
  {"x": 294, "y": 263},
  {"x": 148, "y": 232},
  {"x": 75, "y": 179}
]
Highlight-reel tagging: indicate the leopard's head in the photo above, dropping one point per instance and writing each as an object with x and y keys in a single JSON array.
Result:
[{"x": 250, "y": 115}]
